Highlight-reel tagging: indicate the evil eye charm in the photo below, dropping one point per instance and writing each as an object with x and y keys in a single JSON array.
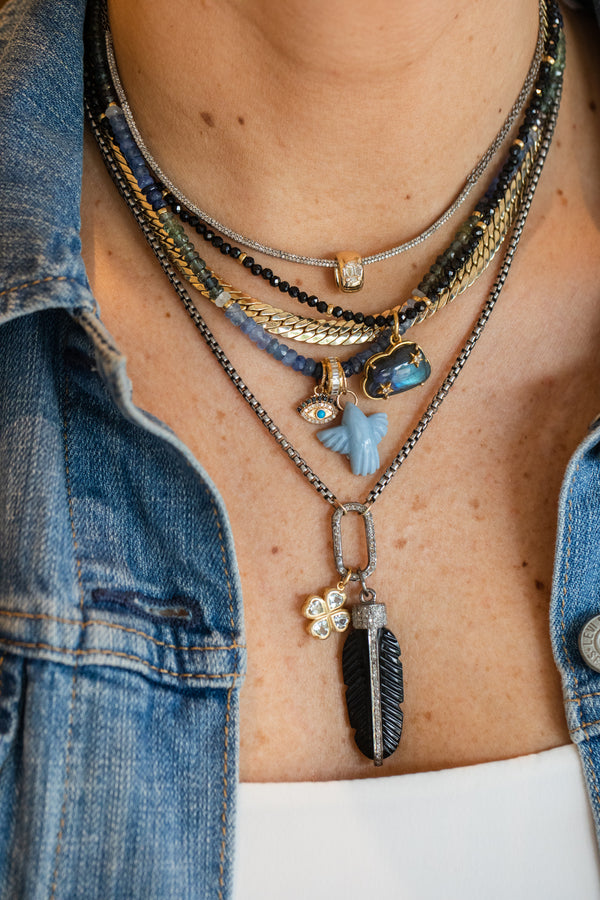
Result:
[
  {"x": 319, "y": 409},
  {"x": 326, "y": 614}
]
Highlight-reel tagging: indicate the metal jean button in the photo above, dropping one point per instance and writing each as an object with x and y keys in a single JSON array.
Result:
[{"x": 589, "y": 643}]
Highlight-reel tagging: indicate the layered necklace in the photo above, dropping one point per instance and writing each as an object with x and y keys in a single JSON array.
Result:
[{"x": 390, "y": 365}]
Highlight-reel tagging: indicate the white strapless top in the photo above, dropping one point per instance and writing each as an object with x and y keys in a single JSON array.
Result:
[{"x": 518, "y": 829}]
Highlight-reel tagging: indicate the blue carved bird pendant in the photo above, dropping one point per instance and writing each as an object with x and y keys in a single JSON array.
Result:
[{"x": 357, "y": 437}]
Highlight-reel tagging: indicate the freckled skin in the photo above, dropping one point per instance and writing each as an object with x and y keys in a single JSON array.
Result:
[{"x": 456, "y": 572}]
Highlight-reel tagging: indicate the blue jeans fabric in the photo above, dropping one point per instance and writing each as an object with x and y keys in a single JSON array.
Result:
[
  {"x": 575, "y": 600},
  {"x": 121, "y": 630},
  {"x": 120, "y": 640}
]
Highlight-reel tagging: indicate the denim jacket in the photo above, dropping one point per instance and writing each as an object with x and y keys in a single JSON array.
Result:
[{"x": 121, "y": 631}]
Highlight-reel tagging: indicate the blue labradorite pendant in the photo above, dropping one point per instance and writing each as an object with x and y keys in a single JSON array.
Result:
[{"x": 400, "y": 367}]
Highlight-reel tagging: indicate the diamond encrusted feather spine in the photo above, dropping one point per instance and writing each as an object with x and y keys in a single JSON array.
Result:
[
  {"x": 383, "y": 647},
  {"x": 374, "y": 685}
]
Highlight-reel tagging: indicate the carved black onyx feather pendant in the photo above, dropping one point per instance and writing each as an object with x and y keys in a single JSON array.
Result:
[{"x": 374, "y": 686}]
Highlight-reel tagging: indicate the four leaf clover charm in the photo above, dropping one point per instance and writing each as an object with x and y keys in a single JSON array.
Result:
[{"x": 326, "y": 613}]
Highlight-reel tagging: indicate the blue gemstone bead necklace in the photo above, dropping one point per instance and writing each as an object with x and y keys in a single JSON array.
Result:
[
  {"x": 445, "y": 272},
  {"x": 358, "y": 435},
  {"x": 215, "y": 232},
  {"x": 371, "y": 663},
  {"x": 390, "y": 366}
]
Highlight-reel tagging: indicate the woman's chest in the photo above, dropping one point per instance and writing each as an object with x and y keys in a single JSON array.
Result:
[{"x": 465, "y": 529}]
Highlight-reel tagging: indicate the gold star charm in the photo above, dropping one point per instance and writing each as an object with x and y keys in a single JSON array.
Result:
[
  {"x": 325, "y": 613},
  {"x": 416, "y": 358},
  {"x": 384, "y": 390}
]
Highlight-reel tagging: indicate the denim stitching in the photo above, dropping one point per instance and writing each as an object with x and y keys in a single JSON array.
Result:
[
  {"x": 28, "y": 284},
  {"x": 583, "y": 725},
  {"x": 21, "y": 615},
  {"x": 224, "y": 560},
  {"x": 63, "y": 812},
  {"x": 592, "y": 766},
  {"x": 564, "y": 590},
  {"x": 118, "y": 655},
  {"x": 225, "y": 798},
  {"x": 91, "y": 323},
  {"x": 227, "y": 716}
]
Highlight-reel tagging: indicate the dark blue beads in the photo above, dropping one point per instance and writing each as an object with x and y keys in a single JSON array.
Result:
[
  {"x": 290, "y": 357},
  {"x": 442, "y": 274}
]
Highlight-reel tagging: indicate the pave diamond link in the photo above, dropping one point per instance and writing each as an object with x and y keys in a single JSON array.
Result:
[
  {"x": 471, "y": 181},
  {"x": 318, "y": 484}
]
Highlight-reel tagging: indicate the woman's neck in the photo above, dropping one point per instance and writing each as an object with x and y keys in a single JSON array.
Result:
[{"x": 305, "y": 124}]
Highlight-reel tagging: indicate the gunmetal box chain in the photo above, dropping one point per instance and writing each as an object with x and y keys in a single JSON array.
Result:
[{"x": 371, "y": 657}]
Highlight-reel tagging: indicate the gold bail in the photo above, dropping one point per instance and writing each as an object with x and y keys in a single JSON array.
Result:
[
  {"x": 334, "y": 378},
  {"x": 396, "y": 337},
  {"x": 349, "y": 272}
]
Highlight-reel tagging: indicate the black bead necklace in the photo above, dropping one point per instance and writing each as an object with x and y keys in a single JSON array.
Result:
[
  {"x": 442, "y": 272},
  {"x": 371, "y": 662}
]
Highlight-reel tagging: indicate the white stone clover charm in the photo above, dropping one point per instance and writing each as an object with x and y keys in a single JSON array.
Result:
[{"x": 326, "y": 613}]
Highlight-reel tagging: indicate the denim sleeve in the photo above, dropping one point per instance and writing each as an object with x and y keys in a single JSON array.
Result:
[
  {"x": 121, "y": 642},
  {"x": 575, "y": 601}
]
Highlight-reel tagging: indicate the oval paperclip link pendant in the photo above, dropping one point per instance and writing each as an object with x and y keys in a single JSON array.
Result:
[
  {"x": 354, "y": 574},
  {"x": 371, "y": 656}
]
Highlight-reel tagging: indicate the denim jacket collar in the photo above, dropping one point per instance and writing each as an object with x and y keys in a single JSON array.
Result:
[{"x": 41, "y": 119}]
